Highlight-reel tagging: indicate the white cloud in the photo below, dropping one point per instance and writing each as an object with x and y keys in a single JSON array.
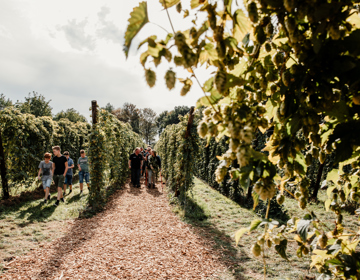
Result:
[
  {"x": 83, "y": 59},
  {"x": 77, "y": 37}
]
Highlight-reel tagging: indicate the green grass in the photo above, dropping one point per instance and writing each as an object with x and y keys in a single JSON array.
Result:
[
  {"x": 26, "y": 225},
  {"x": 216, "y": 218}
]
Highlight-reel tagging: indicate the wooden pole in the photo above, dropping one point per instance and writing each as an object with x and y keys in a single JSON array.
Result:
[
  {"x": 4, "y": 181},
  {"x": 190, "y": 122},
  {"x": 94, "y": 111}
]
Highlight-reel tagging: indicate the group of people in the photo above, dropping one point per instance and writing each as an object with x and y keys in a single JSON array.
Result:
[
  {"x": 60, "y": 170},
  {"x": 145, "y": 163}
]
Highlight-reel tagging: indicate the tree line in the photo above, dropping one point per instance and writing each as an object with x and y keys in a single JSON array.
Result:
[{"x": 146, "y": 122}]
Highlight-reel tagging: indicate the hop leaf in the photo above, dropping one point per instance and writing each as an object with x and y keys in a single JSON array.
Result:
[
  {"x": 170, "y": 79},
  {"x": 150, "y": 77},
  {"x": 138, "y": 18}
]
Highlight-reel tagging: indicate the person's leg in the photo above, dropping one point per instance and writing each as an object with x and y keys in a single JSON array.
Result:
[
  {"x": 60, "y": 185},
  {"x": 47, "y": 190},
  {"x": 65, "y": 183},
  {"x": 87, "y": 180},
  {"x": 44, "y": 187},
  {"x": 133, "y": 179},
  {"x": 70, "y": 182},
  {"x": 149, "y": 177},
  {"x": 138, "y": 172},
  {"x": 81, "y": 180}
]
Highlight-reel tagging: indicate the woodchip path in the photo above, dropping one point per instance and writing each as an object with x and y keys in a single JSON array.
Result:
[{"x": 136, "y": 237}]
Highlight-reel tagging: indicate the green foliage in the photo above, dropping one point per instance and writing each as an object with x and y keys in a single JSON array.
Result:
[
  {"x": 128, "y": 113},
  {"x": 36, "y": 105},
  {"x": 138, "y": 18},
  {"x": 148, "y": 125},
  {"x": 178, "y": 156},
  {"x": 167, "y": 118},
  {"x": 111, "y": 143},
  {"x": 26, "y": 138},
  {"x": 70, "y": 114},
  {"x": 299, "y": 78},
  {"x": 4, "y": 102}
]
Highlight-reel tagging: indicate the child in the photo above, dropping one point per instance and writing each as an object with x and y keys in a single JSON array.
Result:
[
  {"x": 83, "y": 164},
  {"x": 69, "y": 174},
  {"x": 46, "y": 168},
  {"x": 60, "y": 167}
]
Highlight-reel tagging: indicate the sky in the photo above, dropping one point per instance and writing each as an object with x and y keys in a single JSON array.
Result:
[{"x": 72, "y": 52}]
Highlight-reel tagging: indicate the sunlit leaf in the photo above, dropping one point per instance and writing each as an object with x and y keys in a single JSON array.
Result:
[
  {"x": 254, "y": 224},
  {"x": 239, "y": 234},
  {"x": 241, "y": 25},
  {"x": 138, "y": 18},
  {"x": 302, "y": 228},
  {"x": 168, "y": 3}
]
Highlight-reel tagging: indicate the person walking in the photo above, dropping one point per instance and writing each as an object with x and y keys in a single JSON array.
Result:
[
  {"x": 83, "y": 165},
  {"x": 46, "y": 170},
  {"x": 60, "y": 167},
  {"x": 69, "y": 174},
  {"x": 154, "y": 167},
  {"x": 135, "y": 165}
]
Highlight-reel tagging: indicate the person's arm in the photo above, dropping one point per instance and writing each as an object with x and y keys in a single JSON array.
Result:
[
  {"x": 79, "y": 165},
  {"x": 39, "y": 174},
  {"x": 53, "y": 169},
  {"x": 129, "y": 163},
  {"x": 66, "y": 168}
]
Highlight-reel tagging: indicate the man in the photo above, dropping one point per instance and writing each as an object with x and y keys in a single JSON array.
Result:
[
  {"x": 60, "y": 168},
  {"x": 135, "y": 165},
  {"x": 83, "y": 165},
  {"x": 69, "y": 174}
]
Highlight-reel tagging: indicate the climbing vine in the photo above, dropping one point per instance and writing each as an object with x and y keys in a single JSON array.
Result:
[
  {"x": 178, "y": 156},
  {"x": 111, "y": 143},
  {"x": 26, "y": 138},
  {"x": 291, "y": 66}
]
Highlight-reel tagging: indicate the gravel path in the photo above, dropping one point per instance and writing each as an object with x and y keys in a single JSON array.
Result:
[{"x": 135, "y": 237}]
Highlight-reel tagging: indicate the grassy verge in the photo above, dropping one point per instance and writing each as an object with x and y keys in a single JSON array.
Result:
[
  {"x": 27, "y": 224},
  {"x": 216, "y": 218}
]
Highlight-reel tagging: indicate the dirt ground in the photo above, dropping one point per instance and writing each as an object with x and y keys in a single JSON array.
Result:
[{"x": 137, "y": 236}]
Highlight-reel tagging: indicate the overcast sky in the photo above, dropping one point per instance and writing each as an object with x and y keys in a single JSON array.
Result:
[{"x": 70, "y": 51}]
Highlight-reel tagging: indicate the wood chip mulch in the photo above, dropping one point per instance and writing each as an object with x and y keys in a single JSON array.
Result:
[{"x": 135, "y": 237}]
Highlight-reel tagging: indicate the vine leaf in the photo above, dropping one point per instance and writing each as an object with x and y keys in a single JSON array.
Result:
[
  {"x": 254, "y": 224},
  {"x": 240, "y": 233},
  {"x": 256, "y": 199},
  {"x": 281, "y": 249},
  {"x": 196, "y": 3},
  {"x": 302, "y": 228},
  {"x": 138, "y": 18},
  {"x": 169, "y": 3},
  {"x": 241, "y": 25}
]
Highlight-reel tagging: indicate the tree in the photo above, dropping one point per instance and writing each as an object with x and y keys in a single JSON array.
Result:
[
  {"x": 166, "y": 118},
  {"x": 35, "y": 104},
  {"x": 129, "y": 114},
  {"x": 4, "y": 102},
  {"x": 70, "y": 114},
  {"x": 148, "y": 127},
  {"x": 110, "y": 108},
  {"x": 284, "y": 66}
]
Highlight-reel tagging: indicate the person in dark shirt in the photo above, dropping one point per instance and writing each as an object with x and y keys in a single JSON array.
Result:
[
  {"x": 135, "y": 165},
  {"x": 60, "y": 168}
]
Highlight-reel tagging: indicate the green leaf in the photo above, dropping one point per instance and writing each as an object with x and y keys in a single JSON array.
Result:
[
  {"x": 327, "y": 204},
  {"x": 143, "y": 58},
  {"x": 333, "y": 175},
  {"x": 138, "y": 18},
  {"x": 281, "y": 249},
  {"x": 240, "y": 233},
  {"x": 254, "y": 224},
  {"x": 330, "y": 190},
  {"x": 241, "y": 25},
  {"x": 169, "y": 3},
  {"x": 147, "y": 40},
  {"x": 302, "y": 228},
  {"x": 196, "y": 3}
]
